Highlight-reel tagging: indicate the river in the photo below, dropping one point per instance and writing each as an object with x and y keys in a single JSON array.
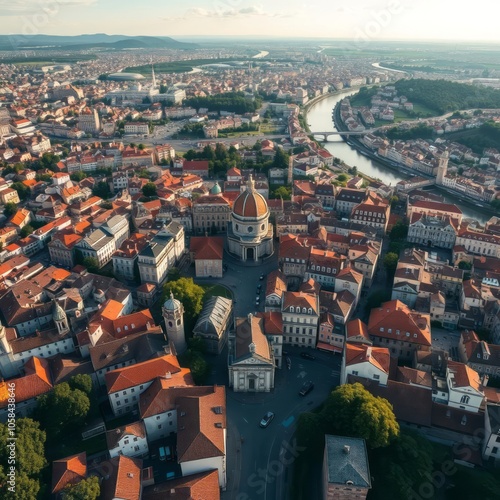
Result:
[{"x": 319, "y": 117}]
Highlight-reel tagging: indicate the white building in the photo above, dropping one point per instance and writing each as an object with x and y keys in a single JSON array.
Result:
[
  {"x": 464, "y": 387},
  {"x": 129, "y": 440},
  {"x": 251, "y": 359},
  {"x": 491, "y": 442},
  {"x": 365, "y": 361}
]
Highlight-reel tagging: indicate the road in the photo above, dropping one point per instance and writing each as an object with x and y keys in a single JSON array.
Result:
[{"x": 266, "y": 456}]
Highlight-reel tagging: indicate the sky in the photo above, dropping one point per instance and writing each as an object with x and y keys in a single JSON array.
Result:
[{"x": 347, "y": 19}]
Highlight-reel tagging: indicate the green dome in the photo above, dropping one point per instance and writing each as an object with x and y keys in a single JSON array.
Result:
[{"x": 216, "y": 189}]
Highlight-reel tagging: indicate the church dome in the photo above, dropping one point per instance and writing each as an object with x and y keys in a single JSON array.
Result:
[
  {"x": 216, "y": 189},
  {"x": 171, "y": 304},
  {"x": 250, "y": 203}
]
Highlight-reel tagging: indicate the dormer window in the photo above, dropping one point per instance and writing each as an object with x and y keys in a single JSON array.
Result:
[
  {"x": 309, "y": 311},
  {"x": 304, "y": 310},
  {"x": 381, "y": 328},
  {"x": 292, "y": 309}
]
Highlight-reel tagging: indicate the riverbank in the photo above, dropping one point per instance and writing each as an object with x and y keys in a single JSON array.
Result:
[{"x": 361, "y": 148}]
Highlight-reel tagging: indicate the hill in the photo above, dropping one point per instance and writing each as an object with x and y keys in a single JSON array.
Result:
[
  {"x": 445, "y": 96},
  {"x": 85, "y": 42}
]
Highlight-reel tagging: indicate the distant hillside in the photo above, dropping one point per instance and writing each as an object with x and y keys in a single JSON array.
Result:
[
  {"x": 445, "y": 96},
  {"x": 85, "y": 42}
]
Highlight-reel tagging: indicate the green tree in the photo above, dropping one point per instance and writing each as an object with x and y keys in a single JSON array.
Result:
[
  {"x": 87, "y": 489},
  {"x": 141, "y": 146},
  {"x": 30, "y": 446},
  {"x": 352, "y": 411},
  {"x": 92, "y": 264},
  {"x": 102, "y": 190},
  {"x": 189, "y": 293},
  {"x": 149, "y": 189},
  {"x": 280, "y": 159},
  {"x": 62, "y": 408},
  {"x": 402, "y": 467},
  {"x": 466, "y": 266},
  {"x": 391, "y": 262},
  {"x": 283, "y": 192},
  {"x": 399, "y": 231},
  {"x": 10, "y": 209},
  {"x": 26, "y": 230},
  {"x": 23, "y": 191},
  {"x": 27, "y": 488},
  {"x": 78, "y": 176},
  {"x": 82, "y": 382},
  {"x": 342, "y": 177}
]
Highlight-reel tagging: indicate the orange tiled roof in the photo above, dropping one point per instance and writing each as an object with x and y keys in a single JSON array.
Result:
[{"x": 68, "y": 471}]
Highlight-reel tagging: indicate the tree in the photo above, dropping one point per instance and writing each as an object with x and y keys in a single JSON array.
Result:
[
  {"x": 27, "y": 488},
  {"x": 23, "y": 191},
  {"x": 391, "y": 262},
  {"x": 283, "y": 192},
  {"x": 30, "y": 446},
  {"x": 189, "y": 293},
  {"x": 62, "y": 408},
  {"x": 402, "y": 467},
  {"x": 102, "y": 190},
  {"x": 92, "y": 264},
  {"x": 280, "y": 159},
  {"x": 149, "y": 189},
  {"x": 10, "y": 209},
  {"x": 141, "y": 146},
  {"x": 78, "y": 176},
  {"x": 82, "y": 382},
  {"x": 342, "y": 177},
  {"x": 467, "y": 266},
  {"x": 26, "y": 230},
  {"x": 87, "y": 489},
  {"x": 351, "y": 410},
  {"x": 399, "y": 231}
]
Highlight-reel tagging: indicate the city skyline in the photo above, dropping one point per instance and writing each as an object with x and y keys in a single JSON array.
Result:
[{"x": 368, "y": 20}]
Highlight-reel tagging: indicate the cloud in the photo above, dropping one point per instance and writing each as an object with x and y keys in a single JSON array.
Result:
[
  {"x": 251, "y": 11},
  {"x": 49, "y": 7}
]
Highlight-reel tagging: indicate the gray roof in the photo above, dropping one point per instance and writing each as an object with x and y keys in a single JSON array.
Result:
[
  {"x": 213, "y": 316},
  {"x": 344, "y": 467},
  {"x": 98, "y": 239},
  {"x": 156, "y": 246}
]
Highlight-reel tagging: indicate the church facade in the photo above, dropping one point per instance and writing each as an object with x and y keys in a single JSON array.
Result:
[{"x": 249, "y": 233}]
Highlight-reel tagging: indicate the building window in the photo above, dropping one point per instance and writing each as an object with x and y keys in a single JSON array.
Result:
[{"x": 465, "y": 400}]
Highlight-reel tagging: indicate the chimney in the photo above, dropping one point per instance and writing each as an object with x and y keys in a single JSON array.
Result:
[
  {"x": 347, "y": 449},
  {"x": 168, "y": 375},
  {"x": 368, "y": 352}
]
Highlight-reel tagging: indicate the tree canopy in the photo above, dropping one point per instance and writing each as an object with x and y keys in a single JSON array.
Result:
[
  {"x": 10, "y": 209},
  {"x": 30, "y": 459},
  {"x": 102, "y": 190},
  {"x": 234, "y": 102},
  {"x": 188, "y": 292},
  {"x": 87, "y": 489},
  {"x": 353, "y": 411},
  {"x": 149, "y": 189},
  {"x": 444, "y": 96},
  {"x": 391, "y": 262},
  {"x": 62, "y": 408}
]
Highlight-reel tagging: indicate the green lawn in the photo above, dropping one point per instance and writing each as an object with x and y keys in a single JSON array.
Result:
[{"x": 212, "y": 290}]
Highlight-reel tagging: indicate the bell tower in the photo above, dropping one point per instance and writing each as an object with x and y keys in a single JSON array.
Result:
[
  {"x": 173, "y": 315},
  {"x": 442, "y": 168}
]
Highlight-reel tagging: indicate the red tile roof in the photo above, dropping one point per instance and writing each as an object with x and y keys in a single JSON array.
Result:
[
  {"x": 68, "y": 471},
  {"x": 207, "y": 247},
  {"x": 140, "y": 373}
]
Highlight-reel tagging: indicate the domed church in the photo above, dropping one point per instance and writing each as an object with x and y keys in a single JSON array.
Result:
[{"x": 249, "y": 234}]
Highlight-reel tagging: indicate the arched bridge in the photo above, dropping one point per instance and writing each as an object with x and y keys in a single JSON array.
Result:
[{"x": 341, "y": 132}]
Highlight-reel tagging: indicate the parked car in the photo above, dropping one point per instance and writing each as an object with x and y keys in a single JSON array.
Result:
[
  {"x": 261, "y": 277},
  {"x": 306, "y": 355},
  {"x": 266, "y": 419},
  {"x": 307, "y": 387},
  {"x": 288, "y": 363}
]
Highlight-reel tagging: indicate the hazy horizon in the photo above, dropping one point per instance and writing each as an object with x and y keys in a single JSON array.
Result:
[{"x": 368, "y": 20}]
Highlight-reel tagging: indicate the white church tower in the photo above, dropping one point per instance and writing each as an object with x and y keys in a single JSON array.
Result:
[
  {"x": 442, "y": 168},
  {"x": 173, "y": 314},
  {"x": 60, "y": 319}
]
